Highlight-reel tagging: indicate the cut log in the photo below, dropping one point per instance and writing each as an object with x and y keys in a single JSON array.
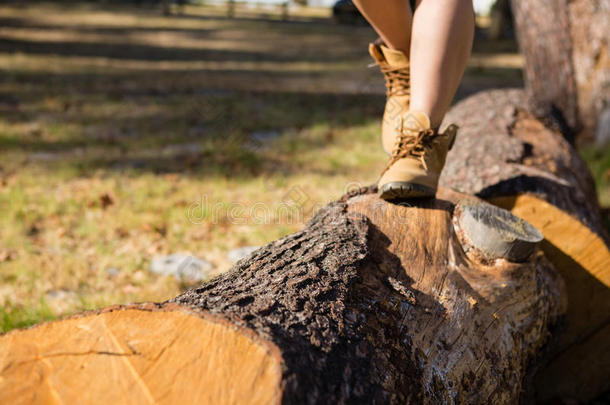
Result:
[
  {"x": 138, "y": 355},
  {"x": 510, "y": 158},
  {"x": 371, "y": 303}
]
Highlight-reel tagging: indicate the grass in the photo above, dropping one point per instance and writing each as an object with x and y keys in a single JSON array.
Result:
[
  {"x": 125, "y": 135},
  {"x": 598, "y": 160},
  {"x": 12, "y": 317}
]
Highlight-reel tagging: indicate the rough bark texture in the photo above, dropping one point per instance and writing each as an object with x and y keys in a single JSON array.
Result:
[
  {"x": 567, "y": 69},
  {"x": 299, "y": 293},
  {"x": 543, "y": 32},
  {"x": 590, "y": 32}
]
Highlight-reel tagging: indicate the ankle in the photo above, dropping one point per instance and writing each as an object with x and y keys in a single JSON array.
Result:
[{"x": 434, "y": 116}]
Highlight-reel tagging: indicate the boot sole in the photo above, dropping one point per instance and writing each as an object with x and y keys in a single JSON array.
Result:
[{"x": 396, "y": 190}]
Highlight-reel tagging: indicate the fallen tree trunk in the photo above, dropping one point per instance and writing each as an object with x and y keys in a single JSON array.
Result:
[{"x": 372, "y": 302}]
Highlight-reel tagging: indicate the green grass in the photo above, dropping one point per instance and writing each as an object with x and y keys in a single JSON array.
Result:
[
  {"x": 12, "y": 317},
  {"x": 598, "y": 160},
  {"x": 94, "y": 171}
]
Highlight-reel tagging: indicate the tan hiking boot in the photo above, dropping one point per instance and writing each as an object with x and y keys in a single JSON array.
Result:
[
  {"x": 394, "y": 65},
  {"x": 417, "y": 158}
]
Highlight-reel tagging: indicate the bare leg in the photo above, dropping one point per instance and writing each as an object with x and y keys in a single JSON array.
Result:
[
  {"x": 442, "y": 37},
  {"x": 391, "y": 19},
  {"x": 438, "y": 38}
]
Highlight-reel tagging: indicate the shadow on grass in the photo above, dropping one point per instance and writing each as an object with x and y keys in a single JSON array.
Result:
[
  {"x": 98, "y": 112},
  {"x": 157, "y": 53},
  {"x": 156, "y": 122}
]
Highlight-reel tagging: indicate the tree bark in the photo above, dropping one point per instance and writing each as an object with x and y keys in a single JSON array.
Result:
[
  {"x": 567, "y": 69},
  {"x": 590, "y": 32}
]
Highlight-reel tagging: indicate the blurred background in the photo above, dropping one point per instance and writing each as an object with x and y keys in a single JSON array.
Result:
[{"x": 145, "y": 146}]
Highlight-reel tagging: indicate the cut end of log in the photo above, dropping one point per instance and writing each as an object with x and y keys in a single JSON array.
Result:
[
  {"x": 496, "y": 233},
  {"x": 136, "y": 356}
]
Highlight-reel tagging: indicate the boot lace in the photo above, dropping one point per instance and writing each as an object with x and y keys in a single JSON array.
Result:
[
  {"x": 396, "y": 80},
  {"x": 410, "y": 144}
]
